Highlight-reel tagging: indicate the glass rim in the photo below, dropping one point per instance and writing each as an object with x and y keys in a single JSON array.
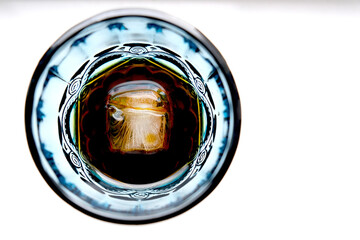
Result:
[{"x": 136, "y": 12}]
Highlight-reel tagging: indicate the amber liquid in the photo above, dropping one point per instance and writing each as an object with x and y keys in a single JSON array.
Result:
[{"x": 138, "y": 166}]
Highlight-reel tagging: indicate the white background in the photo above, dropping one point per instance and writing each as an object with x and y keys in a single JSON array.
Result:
[{"x": 296, "y": 173}]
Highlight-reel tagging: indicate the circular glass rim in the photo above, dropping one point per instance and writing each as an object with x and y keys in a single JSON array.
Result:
[{"x": 157, "y": 15}]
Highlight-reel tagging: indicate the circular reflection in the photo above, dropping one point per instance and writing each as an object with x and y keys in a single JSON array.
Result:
[{"x": 132, "y": 116}]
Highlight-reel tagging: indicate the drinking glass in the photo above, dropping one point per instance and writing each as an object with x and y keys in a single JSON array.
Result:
[{"x": 132, "y": 116}]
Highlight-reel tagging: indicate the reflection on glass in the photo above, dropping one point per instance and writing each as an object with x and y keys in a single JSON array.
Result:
[{"x": 132, "y": 116}]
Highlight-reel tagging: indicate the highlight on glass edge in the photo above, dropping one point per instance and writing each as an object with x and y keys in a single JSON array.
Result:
[{"x": 132, "y": 116}]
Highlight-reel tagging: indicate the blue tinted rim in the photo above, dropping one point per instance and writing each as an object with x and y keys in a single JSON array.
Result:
[{"x": 140, "y": 13}]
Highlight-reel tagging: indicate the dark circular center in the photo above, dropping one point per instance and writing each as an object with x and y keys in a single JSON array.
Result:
[{"x": 138, "y": 122}]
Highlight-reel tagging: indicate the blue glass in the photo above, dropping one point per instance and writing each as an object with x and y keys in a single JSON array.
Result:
[{"x": 159, "y": 48}]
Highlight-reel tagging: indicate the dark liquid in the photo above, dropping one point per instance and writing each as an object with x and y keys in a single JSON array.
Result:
[{"x": 137, "y": 166}]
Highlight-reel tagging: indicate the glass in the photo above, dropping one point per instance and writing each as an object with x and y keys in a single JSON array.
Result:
[{"x": 132, "y": 116}]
